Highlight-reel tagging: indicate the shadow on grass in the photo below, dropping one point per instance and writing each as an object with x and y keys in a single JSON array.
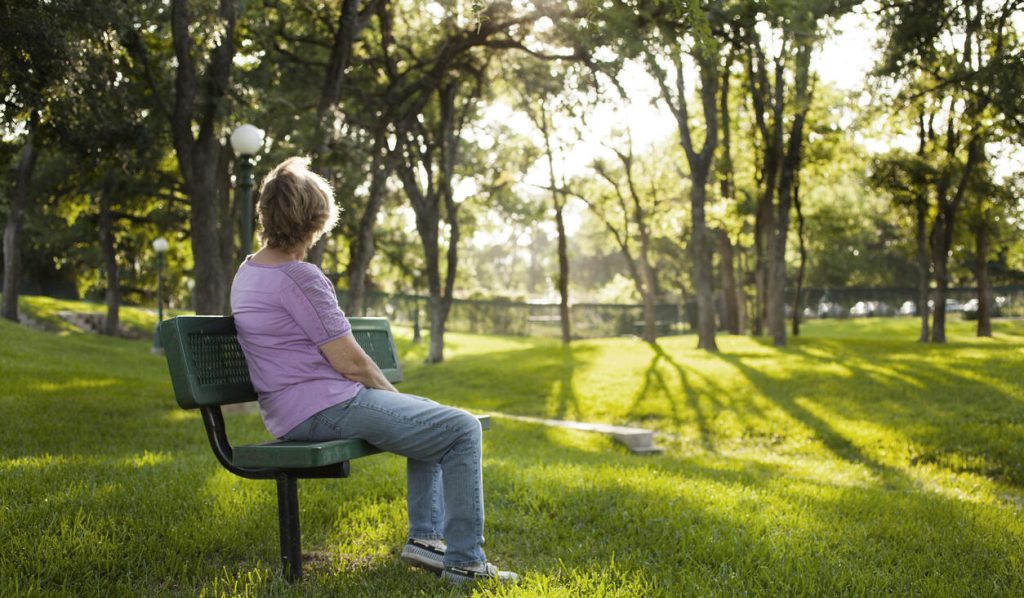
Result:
[
  {"x": 654, "y": 379},
  {"x": 705, "y": 530},
  {"x": 943, "y": 415},
  {"x": 485, "y": 381}
]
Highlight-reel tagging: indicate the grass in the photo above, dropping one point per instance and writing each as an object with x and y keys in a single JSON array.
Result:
[
  {"x": 44, "y": 310},
  {"x": 854, "y": 461}
]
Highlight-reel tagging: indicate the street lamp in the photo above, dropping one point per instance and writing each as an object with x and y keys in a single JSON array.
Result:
[
  {"x": 159, "y": 246},
  {"x": 246, "y": 140}
]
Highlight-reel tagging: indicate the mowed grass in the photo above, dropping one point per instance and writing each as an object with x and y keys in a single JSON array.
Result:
[{"x": 854, "y": 461}]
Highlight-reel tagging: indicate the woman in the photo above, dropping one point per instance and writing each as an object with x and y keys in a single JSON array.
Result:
[{"x": 315, "y": 383}]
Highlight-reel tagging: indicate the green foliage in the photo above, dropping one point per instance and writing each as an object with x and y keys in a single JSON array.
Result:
[
  {"x": 103, "y": 82},
  {"x": 109, "y": 488}
]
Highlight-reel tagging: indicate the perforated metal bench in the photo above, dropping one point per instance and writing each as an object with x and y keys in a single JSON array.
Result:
[{"x": 208, "y": 370}]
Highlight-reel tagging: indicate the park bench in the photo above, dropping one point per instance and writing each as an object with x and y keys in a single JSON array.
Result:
[{"x": 208, "y": 370}]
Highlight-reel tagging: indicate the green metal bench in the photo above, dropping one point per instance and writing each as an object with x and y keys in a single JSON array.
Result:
[{"x": 208, "y": 370}]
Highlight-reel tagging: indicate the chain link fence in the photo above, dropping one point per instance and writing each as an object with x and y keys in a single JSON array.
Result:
[
  {"x": 597, "y": 320},
  {"x": 1007, "y": 301},
  {"x": 589, "y": 320}
]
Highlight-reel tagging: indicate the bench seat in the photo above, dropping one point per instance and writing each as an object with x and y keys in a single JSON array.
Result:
[
  {"x": 288, "y": 454},
  {"x": 292, "y": 454}
]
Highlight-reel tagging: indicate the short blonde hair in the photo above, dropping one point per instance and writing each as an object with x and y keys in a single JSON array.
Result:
[{"x": 296, "y": 206}]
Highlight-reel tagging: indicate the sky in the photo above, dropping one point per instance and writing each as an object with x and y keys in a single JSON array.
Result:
[{"x": 844, "y": 60}]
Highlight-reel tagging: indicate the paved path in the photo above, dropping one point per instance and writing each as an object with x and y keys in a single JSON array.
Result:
[{"x": 638, "y": 440}]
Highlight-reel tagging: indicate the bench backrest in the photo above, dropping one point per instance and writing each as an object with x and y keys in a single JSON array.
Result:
[{"x": 208, "y": 367}]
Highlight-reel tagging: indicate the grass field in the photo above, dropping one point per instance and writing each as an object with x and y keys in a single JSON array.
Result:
[{"x": 852, "y": 462}]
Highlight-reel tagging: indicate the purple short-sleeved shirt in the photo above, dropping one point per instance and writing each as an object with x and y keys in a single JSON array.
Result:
[{"x": 283, "y": 313}]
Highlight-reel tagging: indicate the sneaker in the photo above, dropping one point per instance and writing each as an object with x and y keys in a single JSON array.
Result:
[
  {"x": 457, "y": 575},
  {"x": 427, "y": 555}
]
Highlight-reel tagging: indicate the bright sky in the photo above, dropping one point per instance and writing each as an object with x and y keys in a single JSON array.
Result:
[{"x": 844, "y": 60}]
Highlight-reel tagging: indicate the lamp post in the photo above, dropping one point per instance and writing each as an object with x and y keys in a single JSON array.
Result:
[
  {"x": 246, "y": 140},
  {"x": 159, "y": 246}
]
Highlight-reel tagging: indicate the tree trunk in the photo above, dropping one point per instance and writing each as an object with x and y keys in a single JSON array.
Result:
[
  {"x": 730, "y": 295},
  {"x": 761, "y": 93},
  {"x": 440, "y": 157},
  {"x": 211, "y": 283},
  {"x": 790, "y": 168},
  {"x": 981, "y": 247},
  {"x": 427, "y": 228},
  {"x": 701, "y": 254},
  {"x": 12, "y": 229},
  {"x": 558, "y": 203},
  {"x": 197, "y": 147},
  {"x": 350, "y": 23},
  {"x": 943, "y": 228},
  {"x": 361, "y": 250},
  {"x": 762, "y": 223},
  {"x": 700, "y": 167},
  {"x": 563, "y": 275},
  {"x": 939, "y": 260},
  {"x": 111, "y": 324},
  {"x": 448, "y": 152},
  {"x": 923, "y": 263},
  {"x": 803, "y": 257}
]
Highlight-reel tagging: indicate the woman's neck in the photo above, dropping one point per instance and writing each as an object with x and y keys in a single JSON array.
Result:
[{"x": 275, "y": 255}]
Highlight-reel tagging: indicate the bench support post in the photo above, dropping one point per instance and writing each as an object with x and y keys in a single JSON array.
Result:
[{"x": 288, "y": 518}]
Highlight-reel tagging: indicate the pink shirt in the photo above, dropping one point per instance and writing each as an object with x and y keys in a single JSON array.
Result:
[{"x": 283, "y": 313}]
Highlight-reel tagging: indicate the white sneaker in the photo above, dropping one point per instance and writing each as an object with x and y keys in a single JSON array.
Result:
[
  {"x": 427, "y": 555},
  {"x": 458, "y": 575}
]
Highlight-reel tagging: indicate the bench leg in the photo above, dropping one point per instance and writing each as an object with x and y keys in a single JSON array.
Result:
[{"x": 288, "y": 518}]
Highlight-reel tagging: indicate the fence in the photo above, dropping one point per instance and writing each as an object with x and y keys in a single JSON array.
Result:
[
  {"x": 596, "y": 320},
  {"x": 1008, "y": 301},
  {"x": 589, "y": 320}
]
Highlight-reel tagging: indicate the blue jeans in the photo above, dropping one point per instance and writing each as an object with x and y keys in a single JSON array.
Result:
[{"x": 445, "y": 486}]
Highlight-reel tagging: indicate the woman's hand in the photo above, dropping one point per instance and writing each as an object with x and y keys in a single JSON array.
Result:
[{"x": 348, "y": 359}]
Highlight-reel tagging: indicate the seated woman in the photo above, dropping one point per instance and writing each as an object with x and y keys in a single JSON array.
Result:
[{"x": 315, "y": 383}]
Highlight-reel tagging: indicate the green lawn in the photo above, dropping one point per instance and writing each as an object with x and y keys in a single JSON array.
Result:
[{"x": 854, "y": 461}]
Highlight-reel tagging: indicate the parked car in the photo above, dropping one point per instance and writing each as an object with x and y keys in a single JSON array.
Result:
[
  {"x": 860, "y": 309},
  {"x": 952, "y": 305},
  {"x": 827, "y": 309},
  {"x": 970, "y": 309},
  {"x": 909, "y": 308},
  {"x": 871, "y": 309}
]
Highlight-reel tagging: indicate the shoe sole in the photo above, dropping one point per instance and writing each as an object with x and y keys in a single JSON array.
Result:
[
  {"x": 424, "y": 559},
  {"x": 456, "y": 579}
]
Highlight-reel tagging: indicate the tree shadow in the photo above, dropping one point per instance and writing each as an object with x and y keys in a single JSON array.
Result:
[
  {"x": 835, "y": 442},
  {"x": 548, "y": 391},
  {"x": 950, "y": 405},
  {"x": 566, "y": 402},
  {"x": 654, "y": 379}
]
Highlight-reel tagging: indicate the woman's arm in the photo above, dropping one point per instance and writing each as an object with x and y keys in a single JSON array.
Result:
[{"x": 348, "y": 358}]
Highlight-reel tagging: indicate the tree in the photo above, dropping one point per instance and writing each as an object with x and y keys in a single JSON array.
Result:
[
  {"x": 36, "y": 40},
  {"x": 666, "y": 32},
  {"x": 797, "y": 28},
  {"x": 101, "y": 117},
  {"x": 352, "y": 19},
  {"x": 905, "y": 177},
  {"x": 436, "y": 86},
  {"x": 195, "y": 118},
  {"x": 958, "y": 57},
  {"x": 539, "y": 88}
]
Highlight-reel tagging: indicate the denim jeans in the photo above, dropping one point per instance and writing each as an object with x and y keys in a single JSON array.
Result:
[{"x": 443, "y": 474}]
